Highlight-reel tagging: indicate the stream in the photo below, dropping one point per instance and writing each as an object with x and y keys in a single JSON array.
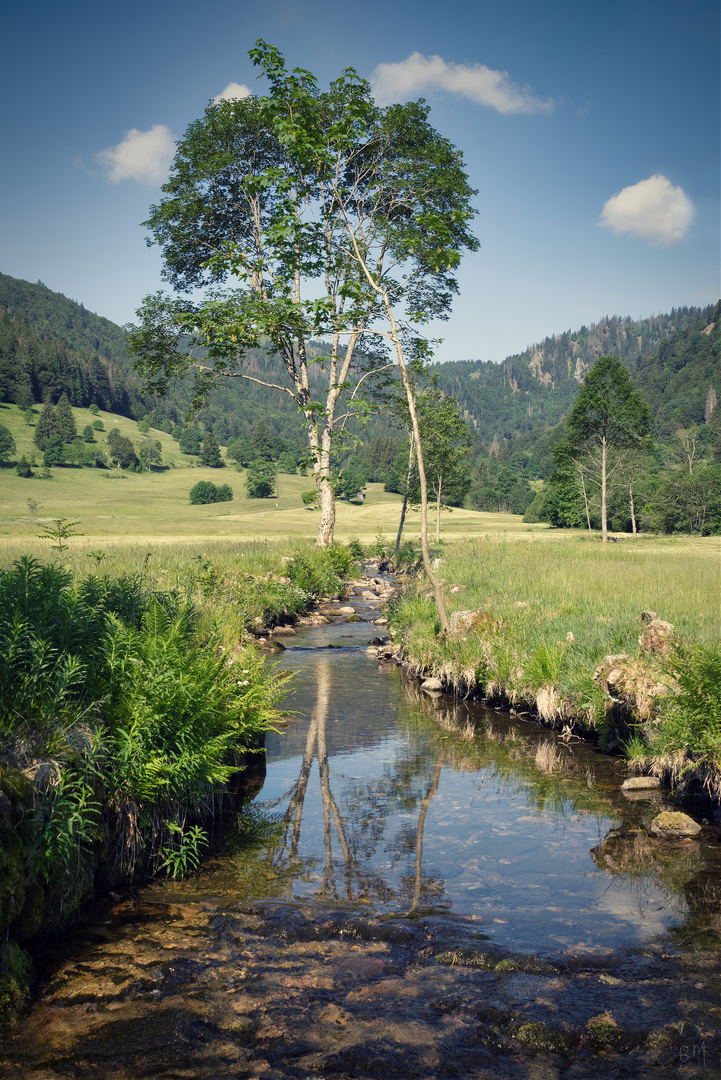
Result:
[{"x": 423, "y": 887}]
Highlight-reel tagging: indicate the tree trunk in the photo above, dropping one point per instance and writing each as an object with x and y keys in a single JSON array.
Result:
[
  {"x": 321, "y": 466},
  {"x": 437, "y": 590},
  {"x": 438, "y": 510},
  {"x": 585, "y": 500},
  {"x": 604, "y": 523},
  {"x": 405, "y": 498},
  {"x": 632, "y": 507}
]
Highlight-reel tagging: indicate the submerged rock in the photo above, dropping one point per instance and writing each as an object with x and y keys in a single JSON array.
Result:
[
  {"x": 672, "y": 824},
  {"x": 640, "y": 783},
  {"x": 432, "y": 685}
]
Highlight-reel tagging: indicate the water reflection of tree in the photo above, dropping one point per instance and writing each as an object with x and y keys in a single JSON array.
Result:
[{"x": 363, "y": 824}]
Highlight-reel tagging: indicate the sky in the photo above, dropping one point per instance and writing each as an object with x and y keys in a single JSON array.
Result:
[{"x": 590, "y": 131}]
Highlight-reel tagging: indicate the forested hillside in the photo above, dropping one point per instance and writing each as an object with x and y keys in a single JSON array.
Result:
[
  {"x": 538, "y": 387},
  {"x": 50, "y": 345}
]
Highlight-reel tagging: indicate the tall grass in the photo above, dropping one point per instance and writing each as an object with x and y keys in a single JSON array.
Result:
[{"x": 554, "y": 611}]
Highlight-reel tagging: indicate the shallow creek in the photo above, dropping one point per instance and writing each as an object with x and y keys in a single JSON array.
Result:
[{"x": 419, "y": 890}]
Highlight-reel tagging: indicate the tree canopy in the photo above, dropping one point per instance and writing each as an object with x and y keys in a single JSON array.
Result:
[
  {"x": 335, "y": 215},
  {"x": 609, "y": 415}
]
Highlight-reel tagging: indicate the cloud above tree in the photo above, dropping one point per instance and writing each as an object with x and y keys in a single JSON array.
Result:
[
  {"x": 652, "y": 209},
  {"x": 424, "y": 74},
  {"x": 233, "y": 92},
  {"x": 144, "y": 156}
]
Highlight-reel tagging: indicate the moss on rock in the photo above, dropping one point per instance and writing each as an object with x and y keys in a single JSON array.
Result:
[
  {"x": 16, "y": 976},
  {"x": 603, "y": 1032},
  {"x": 539, "y": 1039}
]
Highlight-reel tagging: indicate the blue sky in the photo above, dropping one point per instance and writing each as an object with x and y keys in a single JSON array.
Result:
[{"x": 591, "y": 132}]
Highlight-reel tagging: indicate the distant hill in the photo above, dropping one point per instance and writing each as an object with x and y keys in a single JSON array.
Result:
[
  {"x": 50, "y": 345},
  {"x": 538, "y": 386}
]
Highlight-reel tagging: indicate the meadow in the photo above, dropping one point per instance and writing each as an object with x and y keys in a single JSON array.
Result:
[{"x": 115, "y": 506}]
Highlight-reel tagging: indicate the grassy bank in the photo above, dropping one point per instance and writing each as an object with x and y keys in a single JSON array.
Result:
[
  {"x": 546, "y": 615},
  {"x": 130, "y": 700}
]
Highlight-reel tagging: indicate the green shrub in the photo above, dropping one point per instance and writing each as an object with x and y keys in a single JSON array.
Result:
[
  {"x": 205, "y": 491},
  {"x": 688, "y": 736},
  {"x": 314, "y": 572}
]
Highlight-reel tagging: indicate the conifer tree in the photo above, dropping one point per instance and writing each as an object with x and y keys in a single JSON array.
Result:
[
  {"x": 45, "y": 427},
  {"x": 210, "y": 452},
  {"x": 64, "y": 420}
]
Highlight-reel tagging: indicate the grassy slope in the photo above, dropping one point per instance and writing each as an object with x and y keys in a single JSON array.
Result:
[{"x": 152, "y": 507}]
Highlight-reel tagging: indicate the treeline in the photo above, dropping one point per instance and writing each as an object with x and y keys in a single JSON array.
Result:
[
  {"x": 50, "y": 346},
  {"x": 35, "y": 367},
  {"x": 536, "y": 388}
]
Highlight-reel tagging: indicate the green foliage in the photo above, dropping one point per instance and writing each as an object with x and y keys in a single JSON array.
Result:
[
  {"x": 64, "y": 421},
  {"x": 311, "y": 499},
  {"x": 350, "y": 485},
  {"x": 55, "y": 452},
  {"x": 205, "y": 491},
  {"x": 356, "y": 549},
  {"x": 121, "y": 450},
  {"x": 545, "y": 665},
  {"x": 248, "y": 183},
  {"x": 23, "y": 468},
  {"x": 320, "y": 572},
  {"x": 60, "y": 531},
  {"x": 7, "y": 443},
  {"x": 113, "y": 696},
  {"x": 210, "y": 453},
  {"x": 287, "y": 464},
  {"x": 190, "y": 441},
  {"x": 67, "y": 816},
  {"x": 689, "y": 735},
  {"x": 608, "y": 409},
  {"x": 182, "y": 854},
  {"x": 260, "y": 483}
]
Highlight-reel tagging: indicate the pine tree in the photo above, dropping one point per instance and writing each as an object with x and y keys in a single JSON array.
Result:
[
  {"x": 45, "y": 427},
  {"x": 210, "y": 453},
  {"x": 64, "y": 420}
]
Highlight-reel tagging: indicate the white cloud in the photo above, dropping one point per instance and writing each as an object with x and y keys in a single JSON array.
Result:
[
  {"x": 144, "y": 156},
  {"x": 653, "y": 209},
  {"x": 419, "y": 74},
  {"x": 233, "y": 92}
]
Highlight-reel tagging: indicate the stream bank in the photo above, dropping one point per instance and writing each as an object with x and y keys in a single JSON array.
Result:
[{"x": 413, "y": 894}]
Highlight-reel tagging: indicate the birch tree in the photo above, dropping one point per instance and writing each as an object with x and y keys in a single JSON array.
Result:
[{"x": 609, "y": 416}]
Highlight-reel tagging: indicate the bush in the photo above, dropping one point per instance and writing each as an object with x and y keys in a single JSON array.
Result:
[
  {"x": 205, "y": 491},
  {"x": 260, "y": 481},
  {"x": 23, "y": 467},
  {"x": 688, "y": 736},
  {"x": 313, "y": 572}
]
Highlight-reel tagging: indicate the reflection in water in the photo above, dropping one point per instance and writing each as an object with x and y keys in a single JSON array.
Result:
[
  {"x": 419, "y": 833},
  {"x": 410, "y": 805},
  {"x": 359, "y": 885},
  {"x": 421, "y": 808}
]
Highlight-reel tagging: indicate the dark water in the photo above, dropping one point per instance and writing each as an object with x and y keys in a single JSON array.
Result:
[
  {"x": 394, "y": 830},
  {"x": 401, "y": 804}
]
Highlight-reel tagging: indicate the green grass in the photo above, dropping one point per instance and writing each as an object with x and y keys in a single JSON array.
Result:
[
  {"x": 153, "y": 507},
  {"x": 556, "y": 610}
]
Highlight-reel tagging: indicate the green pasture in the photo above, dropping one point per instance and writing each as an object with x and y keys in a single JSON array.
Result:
[{"x": 117, "y": 506}]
